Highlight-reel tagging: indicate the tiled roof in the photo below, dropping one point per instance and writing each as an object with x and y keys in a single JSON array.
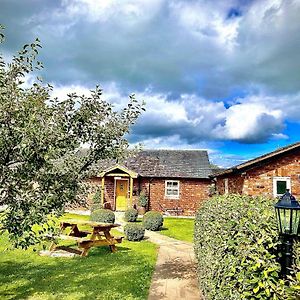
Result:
[
  {"x": 261, "y": 159},
  {"x": 171, "y": 163},
  {"x": 166, "y": 163}
]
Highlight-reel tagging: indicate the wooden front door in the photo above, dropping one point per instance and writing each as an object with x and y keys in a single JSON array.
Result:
[{"x": 121, "y": 194}]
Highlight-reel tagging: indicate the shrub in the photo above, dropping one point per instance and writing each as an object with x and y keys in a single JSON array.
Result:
[
  {"x": 96, "y": 201},
  {"x": 143, "y": 200},
  {"x": 131, "y": 215},
  {"x": 236, "y": 243},
  {"x": 153, "y": 220},
  {"x": 134, "y": 232},
  {"x": 103, "y": 215}
]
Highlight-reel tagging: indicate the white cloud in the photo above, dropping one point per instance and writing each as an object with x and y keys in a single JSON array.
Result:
[
  {"x": 207, "y": 21},
  {"x": 176, "y": 46},
  {"x": 280, "y": 136},
  {"x": 250, "y": 122},
  {"x": 169, "y": 142},
  {"x": 168, "y": 111},
  {"x": 189, "y": 52},
  {"x": 128, "y": 12},
  {"x": 287, "y": 104},
  {"x": 61, "y": 92},
  {"x": 188, "y": 120}
]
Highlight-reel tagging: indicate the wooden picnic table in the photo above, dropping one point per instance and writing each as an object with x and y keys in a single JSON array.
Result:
[{"x": 98, "y": 236}]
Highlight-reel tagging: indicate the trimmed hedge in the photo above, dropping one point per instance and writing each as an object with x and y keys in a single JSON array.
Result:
[
  {"x": 131, "y": 215},
  {"x": 236, "y": 243},
  {"x": 134, "y": 232},
  {"x": 96, "y": 201},
  {"x": 143, "y": 200},
  {"x": 103, "y": 215},
  {"x": 153, "y": 220},
  {"x": 295, "y": 280}
]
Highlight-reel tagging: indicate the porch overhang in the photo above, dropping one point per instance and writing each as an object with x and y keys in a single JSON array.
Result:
[
  {"x": 110, "y": 172},
  {"x": 118, "y": 171}
]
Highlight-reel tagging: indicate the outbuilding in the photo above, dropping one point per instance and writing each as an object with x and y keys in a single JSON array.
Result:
[
  {"x": 270, "y": 174},
  {"x": 175, "y": 181}
]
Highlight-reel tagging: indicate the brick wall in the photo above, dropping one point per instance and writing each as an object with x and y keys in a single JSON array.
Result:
[
  {"x": 259, "y": 180},
  {"x": 108, "y": 190},
  {"x": 192, "y": 192},
  {"x": 235, "y": 184}
]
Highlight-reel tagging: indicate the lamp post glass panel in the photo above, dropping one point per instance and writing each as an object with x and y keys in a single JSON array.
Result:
[
  {"x": 288, "y": 213},
  {"x": 288, "y": 217}
]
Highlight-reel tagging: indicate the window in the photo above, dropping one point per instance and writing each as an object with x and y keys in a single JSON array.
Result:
[
  {"x": 172, "y": 189},
  {"x": 280, "y": 185}
]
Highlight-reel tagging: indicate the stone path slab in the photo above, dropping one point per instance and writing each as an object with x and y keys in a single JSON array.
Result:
[
  {"x": 175, "y": 274},
  {"x": 57, "y": 253}
]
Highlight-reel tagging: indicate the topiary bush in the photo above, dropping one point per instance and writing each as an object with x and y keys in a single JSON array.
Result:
[
  {"x": 131, "y": 215},
  {"x": 236, "y": 242},
  {"x": 153, "y": 220},
  {"x": 103, "y": 215},
  {"x": 143, "y": 200},
  {"x": 134, "y": 232},
  {"x": 96, "y": 201}
]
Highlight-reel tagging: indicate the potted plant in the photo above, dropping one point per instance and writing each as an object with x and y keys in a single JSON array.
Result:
[{"x": 143, "y": 202}]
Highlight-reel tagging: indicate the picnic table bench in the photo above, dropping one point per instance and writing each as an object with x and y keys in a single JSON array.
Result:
[{"x": 98, "y": 236}]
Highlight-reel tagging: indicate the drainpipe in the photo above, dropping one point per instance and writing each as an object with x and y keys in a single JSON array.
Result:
[
  {"x": 214, "y": 185},
  {"x": 149, "y": 192},
  {"x": 139, "y": 185}
]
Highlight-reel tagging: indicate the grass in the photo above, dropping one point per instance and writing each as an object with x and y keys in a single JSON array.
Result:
[
  {"x": 179, "y": 228},
  {"x": 125, "y": 274}
]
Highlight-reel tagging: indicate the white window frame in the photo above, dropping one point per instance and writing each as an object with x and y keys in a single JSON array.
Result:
[
  {"x": 172, "y": 188},
  {"x": 226, "y": 187},
  {"x": 288, "y": 184}
]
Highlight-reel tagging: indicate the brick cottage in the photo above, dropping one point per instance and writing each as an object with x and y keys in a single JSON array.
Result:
[
  {"x": 269, "y": 175},
  {"x": 176, "y": 181}
]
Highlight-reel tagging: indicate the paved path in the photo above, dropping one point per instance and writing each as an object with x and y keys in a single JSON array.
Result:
[{"x": 175, "y": 271}]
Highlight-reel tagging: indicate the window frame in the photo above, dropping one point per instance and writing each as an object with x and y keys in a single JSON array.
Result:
[
  {"x": 172, "y": 188},
  {"x": 279, "y": 178}
]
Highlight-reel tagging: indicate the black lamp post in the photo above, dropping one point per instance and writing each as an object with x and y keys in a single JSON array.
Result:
[{"x": 288, "y": 218}]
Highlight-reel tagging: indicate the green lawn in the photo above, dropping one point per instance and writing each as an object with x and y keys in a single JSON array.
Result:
[
  {"x": 102, "y": 275},
  {"x": 179, "y": 228}
]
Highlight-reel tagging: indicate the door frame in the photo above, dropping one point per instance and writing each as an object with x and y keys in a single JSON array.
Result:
[{"x": 115, "y": 187}]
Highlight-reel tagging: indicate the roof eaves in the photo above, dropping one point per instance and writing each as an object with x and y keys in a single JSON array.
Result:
[
  {"x": 258, "y": 159},
  {"x": 224, "y": 172},
  {"x": 268, "y": 155}
]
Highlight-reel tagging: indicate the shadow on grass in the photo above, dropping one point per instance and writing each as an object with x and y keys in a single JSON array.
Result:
[
  {"x": 163, "y": 229},
  {"x": 102, "y": 275}
]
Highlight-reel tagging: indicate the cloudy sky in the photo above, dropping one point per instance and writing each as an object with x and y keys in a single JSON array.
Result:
[{"x": 217, "y": 75}]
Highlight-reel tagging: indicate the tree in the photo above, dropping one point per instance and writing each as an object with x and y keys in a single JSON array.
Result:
[{"x": 40, "y": 167}]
